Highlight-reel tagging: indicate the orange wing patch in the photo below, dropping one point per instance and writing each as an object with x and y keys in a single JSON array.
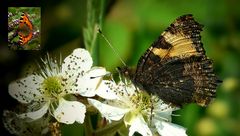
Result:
[
  {"x": 25, "y": 29},
  {"x": 181, "y": 46}
]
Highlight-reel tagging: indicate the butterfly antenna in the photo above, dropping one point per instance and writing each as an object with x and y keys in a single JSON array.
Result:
[{"x": 100, "y": 32}]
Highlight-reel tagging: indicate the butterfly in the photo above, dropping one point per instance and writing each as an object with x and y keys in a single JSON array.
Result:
[
  {"x": 25, "y": 29},
  {"x": 175, "y": 67}
]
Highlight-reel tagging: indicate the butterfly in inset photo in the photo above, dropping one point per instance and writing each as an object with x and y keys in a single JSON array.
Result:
[
  {"x": 25, "y": 29},
  {"x": 24, "y": 24}
]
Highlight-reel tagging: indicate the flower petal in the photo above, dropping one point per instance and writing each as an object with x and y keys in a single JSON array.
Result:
[
  {"x": 169, "y": 129},
  {"x": 126, "y": 89},
  {"x": 70, "y": 111},
  {"x": 140, "y": 126},
  {"x": 88, "y": 84},
  {"x": 106, "y": 90},
  {"x": 107, "y": 111},
  {"x": 163, "y": 111},
  {"x": 77, "y": 63},
  {"x": 110, "y": 90},
  {"x": 27, "y": 89},
  {"x": 23, "y": 127},
  {"x": 36, "y": 114}
]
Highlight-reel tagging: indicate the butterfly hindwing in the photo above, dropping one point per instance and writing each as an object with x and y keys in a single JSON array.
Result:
[{"x": 181, "y": 81}]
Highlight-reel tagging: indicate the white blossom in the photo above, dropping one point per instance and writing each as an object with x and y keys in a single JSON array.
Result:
[
  {"x": 46, "y": 90},
  {"x": 144, "y": 113}
]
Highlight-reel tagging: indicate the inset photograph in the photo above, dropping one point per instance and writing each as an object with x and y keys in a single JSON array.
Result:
[{"x": 24, "y": 28}]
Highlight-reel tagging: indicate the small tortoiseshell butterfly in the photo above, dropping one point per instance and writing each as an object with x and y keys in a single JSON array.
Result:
[
  {"x": 25, "y": 29},
  {"x": 175, "y": 67}
]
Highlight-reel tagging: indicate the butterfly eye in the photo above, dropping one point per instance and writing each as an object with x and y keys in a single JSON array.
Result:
[
  {"x": 125, "y": 71},
  {"x": 119, "y": 69}
]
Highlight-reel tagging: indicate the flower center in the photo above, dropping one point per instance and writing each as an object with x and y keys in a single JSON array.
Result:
[
  {"x": 52, "y": 86},
  {"x": 142, "y": 101},
  {"x": 141, "y": 105}
]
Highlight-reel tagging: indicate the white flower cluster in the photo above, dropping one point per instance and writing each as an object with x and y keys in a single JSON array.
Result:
[
  {"x": 144, "y": 113},
  {"x": 47, "y": 91}
]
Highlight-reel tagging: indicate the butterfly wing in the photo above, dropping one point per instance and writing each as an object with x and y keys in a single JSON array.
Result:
[
  {"x": 176, "y": 68},
  {"x": 25, "y": 29}
]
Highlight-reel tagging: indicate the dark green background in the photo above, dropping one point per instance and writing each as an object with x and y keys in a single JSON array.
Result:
[{"x": 131, "y": 26}]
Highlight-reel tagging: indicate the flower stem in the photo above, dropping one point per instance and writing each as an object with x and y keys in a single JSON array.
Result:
[
  {"x": 88, "y": 125},
  {"x": 110, "y": 129},
  {"x": 94, "y": 18}
]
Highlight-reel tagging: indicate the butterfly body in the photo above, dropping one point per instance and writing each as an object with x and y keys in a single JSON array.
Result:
[{"x": 175, "y": 66}]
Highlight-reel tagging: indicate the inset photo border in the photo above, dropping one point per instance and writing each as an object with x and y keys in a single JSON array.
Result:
[{"x": 24, "y": 28}]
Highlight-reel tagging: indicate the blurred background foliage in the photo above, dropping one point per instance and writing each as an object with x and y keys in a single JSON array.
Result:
[
  {"x": 131, "y": 26},
  {"x": 34, "y": 15}
]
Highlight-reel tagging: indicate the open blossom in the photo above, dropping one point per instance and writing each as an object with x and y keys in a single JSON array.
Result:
[
  {"x": 45, "y": 91},
  {"x": 144, "y": 114}
]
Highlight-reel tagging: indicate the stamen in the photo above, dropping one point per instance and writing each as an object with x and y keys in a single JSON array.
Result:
[
  {"x": 52, "y": 86},
  {"x": 108, "y": 73},
  {"x": 161, "y": 118}
]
